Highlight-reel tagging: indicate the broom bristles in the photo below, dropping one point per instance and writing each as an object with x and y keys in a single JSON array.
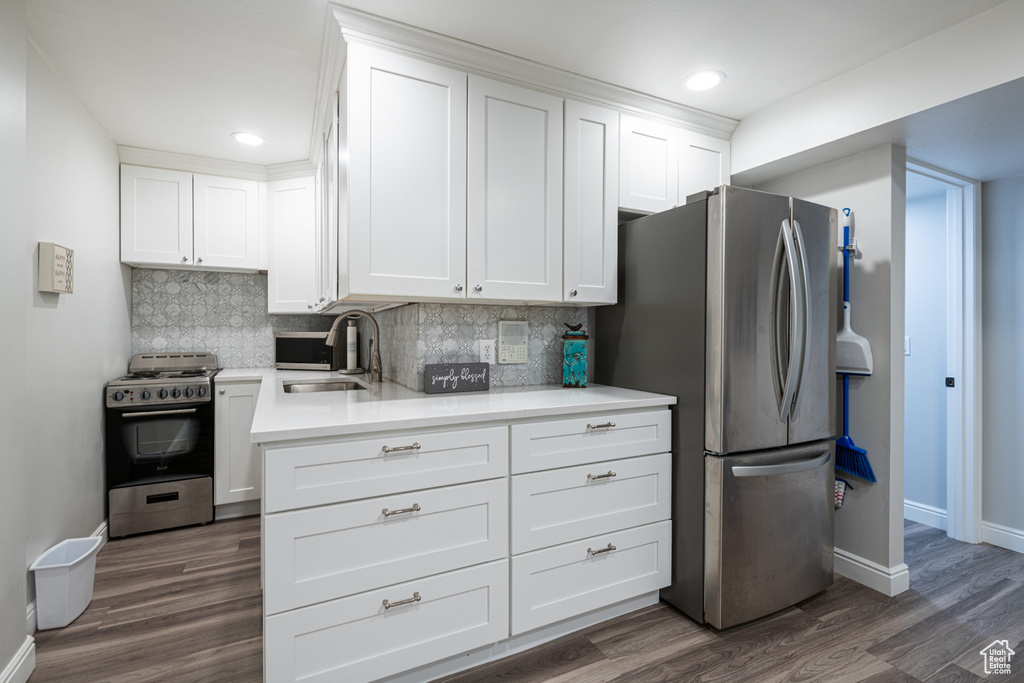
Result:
[{"x": 853, "y": 460}]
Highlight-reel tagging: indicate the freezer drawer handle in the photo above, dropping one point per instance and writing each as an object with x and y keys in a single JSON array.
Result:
[
  {"x": 594, "y": 477},
  {"x": 387, "y": 513},
  {"x": 414, "y": 447},
  {"x": 599, "y": 551},
  {"x": 606, "y": 425},
  {"x": 785, "y": 468},
  {"x": 415, "y": 598}
]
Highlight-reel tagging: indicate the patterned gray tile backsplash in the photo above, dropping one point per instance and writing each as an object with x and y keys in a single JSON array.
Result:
[{"x": 226, "y": 313}]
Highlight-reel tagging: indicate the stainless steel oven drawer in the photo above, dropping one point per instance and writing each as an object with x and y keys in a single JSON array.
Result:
[{"x": 163, "y": 505}]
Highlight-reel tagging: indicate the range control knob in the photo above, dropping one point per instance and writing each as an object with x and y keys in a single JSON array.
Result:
[
  {"x": 145, "y": 395},
  {"x": 118, "y": 396},
  {"x": 162, "y": 393},
  {"x": 201, "y": 391},
  {"x": 176, "y": 393},
  {"x": 188, "y": 392}
]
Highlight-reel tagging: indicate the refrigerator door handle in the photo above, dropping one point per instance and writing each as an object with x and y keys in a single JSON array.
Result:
[
  {"x": 804, "y": 333},
  {"x": 784, "y": 468},
  {"x": 796, "y": 302}
]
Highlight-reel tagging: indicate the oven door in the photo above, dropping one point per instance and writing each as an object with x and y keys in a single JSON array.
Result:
[{"x": 159, "y": 443}]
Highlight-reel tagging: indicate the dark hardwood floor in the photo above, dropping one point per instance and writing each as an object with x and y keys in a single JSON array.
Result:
[
  {"x": 182, "y": 605},
  {"x": 185, "y": 606}
]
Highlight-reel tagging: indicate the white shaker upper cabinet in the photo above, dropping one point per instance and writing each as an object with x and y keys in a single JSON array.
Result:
[
  {"x": 648, "y": 165},
  {"x": 226, "y": 227},
  {"x": 703, "y": 163},
  {"x": 406, "y": 138},
  {"x": 514, "y": 231},
  {"x": 156, "y": 216},
  {"x": 591, "y": 216},
  {"x": 293, "y": 283}
]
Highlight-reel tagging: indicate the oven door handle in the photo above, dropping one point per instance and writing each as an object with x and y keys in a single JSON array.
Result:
[{"x": 183, "y": 411}]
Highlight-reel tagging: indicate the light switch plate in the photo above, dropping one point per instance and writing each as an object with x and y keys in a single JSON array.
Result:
[
  {"x": 513, "y": 341},
  {"x": 906, "y": 346}
]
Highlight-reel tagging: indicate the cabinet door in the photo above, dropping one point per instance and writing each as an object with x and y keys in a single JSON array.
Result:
[
  {"x": 648, "y": 165},
  {"x": 591, "y": 218},
  {"x": 292, "y": 282},
  {"x": 225, "y": 222},
  {"x": 703, "y": 163},
  {"x": 236, "y": 460},
  {"x": 514, "y": 231},
  {"x": 407, "y": 176},
  {"x": 156, "y": 216}
]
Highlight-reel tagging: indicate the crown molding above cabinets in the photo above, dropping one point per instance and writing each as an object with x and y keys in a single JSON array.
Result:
[
  {"x": 354, "y": 26},
  {"x": 137, "y": 156}
]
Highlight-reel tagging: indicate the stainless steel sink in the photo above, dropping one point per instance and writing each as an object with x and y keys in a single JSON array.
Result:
[{"x": 305, "y": 386}]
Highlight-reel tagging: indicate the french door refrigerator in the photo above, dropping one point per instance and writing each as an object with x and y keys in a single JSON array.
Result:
[{"x": 729, "y": 304}]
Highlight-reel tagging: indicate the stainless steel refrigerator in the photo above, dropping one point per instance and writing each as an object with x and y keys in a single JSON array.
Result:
[{"x": 729, "y": 304}]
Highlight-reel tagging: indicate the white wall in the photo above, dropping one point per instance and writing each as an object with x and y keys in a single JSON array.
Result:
[
  {"x": 872, "y": 184},
  {"x": 76, "y": 342},
  {"x": 1003, "y": 374},
  {"x": 925, "y": 400},
  {"x": 14, "y": 268},
  {"x": 980, "y": 52}
]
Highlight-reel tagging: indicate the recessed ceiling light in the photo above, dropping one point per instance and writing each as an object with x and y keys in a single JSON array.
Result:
[
  {"x": 703, "y": 80},
  {"x": 248, "y": 138}
]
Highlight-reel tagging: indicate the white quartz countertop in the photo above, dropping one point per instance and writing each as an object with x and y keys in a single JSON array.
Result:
[{"x": 280, "y": 416}]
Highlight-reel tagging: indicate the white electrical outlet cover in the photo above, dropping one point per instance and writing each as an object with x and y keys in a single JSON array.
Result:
[
  {"x": 513, "y": 341},
  {"x": 487, "y": 351}
]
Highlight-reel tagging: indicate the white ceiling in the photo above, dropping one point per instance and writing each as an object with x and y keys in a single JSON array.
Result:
[{"x": 181, "y": 75}]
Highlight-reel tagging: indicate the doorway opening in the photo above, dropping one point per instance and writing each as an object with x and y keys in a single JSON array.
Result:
[{"x": 942, "y": 369}]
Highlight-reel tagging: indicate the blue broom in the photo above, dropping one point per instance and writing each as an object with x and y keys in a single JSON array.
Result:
[{"x": 849, "y": 458}]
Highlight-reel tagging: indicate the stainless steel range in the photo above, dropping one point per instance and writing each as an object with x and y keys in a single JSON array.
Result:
[{"x": 159, "y": 443}]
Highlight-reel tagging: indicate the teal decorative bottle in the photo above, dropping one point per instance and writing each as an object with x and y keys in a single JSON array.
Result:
[{"x": 574, "y": 356}]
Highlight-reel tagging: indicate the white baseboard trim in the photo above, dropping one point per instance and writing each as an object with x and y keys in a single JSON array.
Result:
[
  {"x": 246, "y": 508},
  {"x": 30, "y": 611},
  {"x": 886, "y": 580},
  {"x": 925, "y": 514},
  {"x": 1003, "y": 536},
  {"x": 22, "y": 664},
  {"x": 523, "y": 641}
]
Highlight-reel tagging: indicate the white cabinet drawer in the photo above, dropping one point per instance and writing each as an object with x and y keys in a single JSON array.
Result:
[
  {"x": 330, "y": 552},
  {"x": 568, "y": 504},
  {"x": 602, "y": 436},
  {"x": 557, "y": 583},
  {"x": 356, "y": 639},
  {"x": 321, "y": 474}
]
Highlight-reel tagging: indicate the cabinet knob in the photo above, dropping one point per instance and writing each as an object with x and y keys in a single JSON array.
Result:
[
  {"x": 221, "y": 392},
  {"x": 323, "y": 299},
  {"x": 479, "y": 288},
  {"x": 458, "y": 288},
  {"x": 309, "y": 306},
  {"x": 572, "y": 292},
  {"x": 199, "y": 260},
  {"x": 184, "y": 259}
]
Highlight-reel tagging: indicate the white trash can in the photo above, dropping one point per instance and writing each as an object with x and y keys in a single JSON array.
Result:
[{"x": 64, "y": 581}]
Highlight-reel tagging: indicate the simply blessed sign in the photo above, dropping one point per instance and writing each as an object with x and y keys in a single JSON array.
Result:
[{"x": 455, "y": 377}]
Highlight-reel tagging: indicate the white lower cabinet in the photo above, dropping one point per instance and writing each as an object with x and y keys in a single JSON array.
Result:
[
  {"x": 560, "y": 582},
  {"x": 387, "y": 551},
  {"x": 325, "y": 552},
  {"x": 577, "y": 502},
  {"x": 387, "y": 631},
  {"x": 236, "y": 459}
]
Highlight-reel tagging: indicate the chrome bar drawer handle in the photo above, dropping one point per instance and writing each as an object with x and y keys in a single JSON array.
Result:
[
  {"x": 593, "y": 552},
  {"x": 594, "y": 477},
  {"x": 606, "y": 425},
  {"x": 415, "y": 508},
  {"x": 414, "y": 447},
  {"x": 415, "y": 598}
]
